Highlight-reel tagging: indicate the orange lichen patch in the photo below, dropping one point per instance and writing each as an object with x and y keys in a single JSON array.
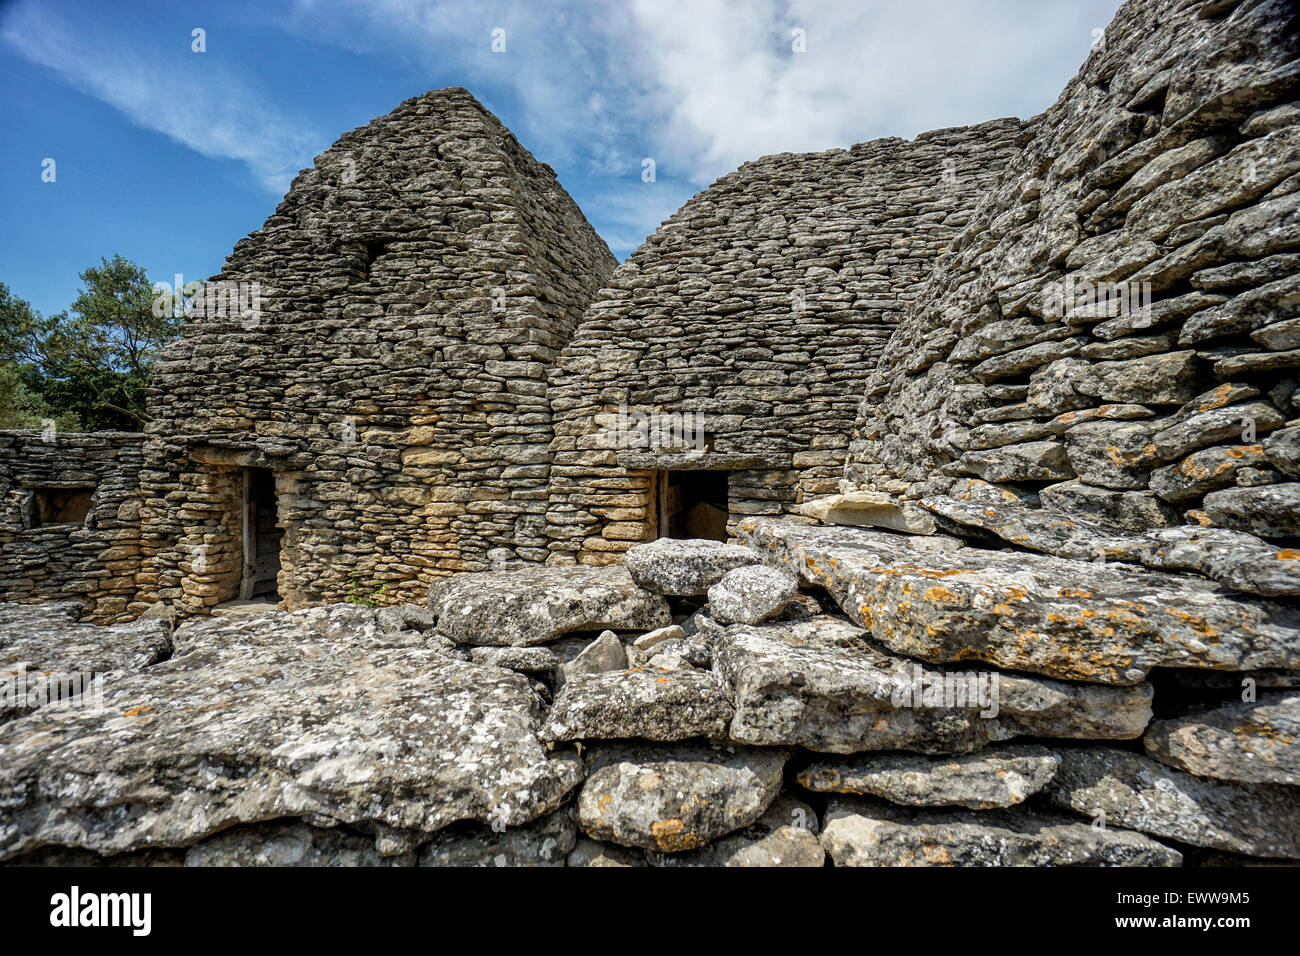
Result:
[
  {"x": 137, "y": 711},
  {"x": 865, "y": 612},
  {"x": 882, "y": 725},
  {"x": 1287, "y": 554},
  {"x": 1249, "y": 733},
  {"x": 937, "y": 855},
  {"x": 906, "y": 569},
  {"x": 673, "y": 837},
  {"x": 1240, "y": 451},
  {"x": 938, "y": 592},
  {"x": 1202, "y": 627},
  {"x": 1074, "y": 592},
  {"x": 1218, "y": 399},
  {"x": 1200, "y": 517}
]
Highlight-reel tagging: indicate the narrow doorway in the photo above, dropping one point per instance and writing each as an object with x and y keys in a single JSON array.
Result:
[
  {"x": 261, "y": 537},
  {"x": 693, "y": 504}
]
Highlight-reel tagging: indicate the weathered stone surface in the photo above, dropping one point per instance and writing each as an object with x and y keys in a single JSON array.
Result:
[
  {"x": 276, "y": 714},
  {"x": 998, "y": 777},
  {"x": 290, "y": 843},
  {"x": 785, "y": 835},
  {"x": 1068, "y": 619},
  {"x": 535, "y": 605},
  {"x": 1257, "y": 742},
  {"x": 825, "y": 686},
  {"x": 605, "y": 653},
  {"x": 544, "y": 842},
  {"x": 45, "y": 655},
  {"x": 685, "y": 566},
  {"x": 869, "y": 509},
  {"x": 1204, "y": 471},
  {"x": 529, "y": 660},
  {"x": 1266, "y": 510},
  {"x": 1147, "y": 176},
  {"x": 652, "y": 639},
  {"x": 676, "y": 798},
  {"x": 859, "y": 832},
  {"x": 752, "y": 594},
  {"x": 588, "y": 852},
  {"x": 1129, "y": 790},
  {"x": 647, "y": 703},
  {"x": 1133, "y": 511},
  {"x": 1026, "y": 461},
  {"x": 1236, "y": 559}
]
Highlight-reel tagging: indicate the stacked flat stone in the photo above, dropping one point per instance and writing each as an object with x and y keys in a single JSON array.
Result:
[
  {"x": 844, "y": 726},
  {"x": 758, "y": 307},
  {"x": 416, "y": 285},
  {"x": 94, "y": 561},
  {"x": 1169, "y": 169}
]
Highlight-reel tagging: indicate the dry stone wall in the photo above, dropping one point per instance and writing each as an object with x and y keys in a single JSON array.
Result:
[
  {"x": 413, "y": 290},
  {"x": 1113, "y": 336},
  {"x": 70, "y": 520},
  {"x": 743, "y": 328}
]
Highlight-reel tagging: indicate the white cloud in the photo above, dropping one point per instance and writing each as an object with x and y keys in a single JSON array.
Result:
[
  {"x": 190, "y": 100},
  {"x": 704, "y": 85},
  {"x": 734, "y": 89},
  {"x": 593, "y": 86}
]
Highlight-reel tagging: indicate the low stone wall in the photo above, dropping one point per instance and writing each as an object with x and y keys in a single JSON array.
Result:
[
  {"x": 815, "y": 694},
  {"x": 93, "y": 559}
]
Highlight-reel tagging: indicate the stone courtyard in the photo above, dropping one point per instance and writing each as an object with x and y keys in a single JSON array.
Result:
[{"x": 974, "y": 540}]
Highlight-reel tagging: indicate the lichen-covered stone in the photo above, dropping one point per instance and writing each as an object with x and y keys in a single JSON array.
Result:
[
  {"x": 1068, "y": 619},
  {"x": 752, "y": 594},
  {"x": 1123, "y": 789},
  {"x": 997, "y": 777},
  {"x": 676, "y": 798},
  {"x": 824, "y": 685},
  {"x": 1255, "y": 742},
  {"x": 46, "y": 654},
  {"x": 686, "y": 566},
  {"x": 860, "y": 832},
  {"x": 274, "y": 715},
  {"x": 290, "y": 843},
  {"x": 536, "y": 605},
  {"x": 647, "y": 703},
  {"x": 785, "y": 835}
]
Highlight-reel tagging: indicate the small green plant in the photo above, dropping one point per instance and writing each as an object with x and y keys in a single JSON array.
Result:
[{"x": 362, "y": 593}]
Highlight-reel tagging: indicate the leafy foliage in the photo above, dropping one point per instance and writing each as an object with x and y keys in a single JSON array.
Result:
[{"x": 87, "y": 368}]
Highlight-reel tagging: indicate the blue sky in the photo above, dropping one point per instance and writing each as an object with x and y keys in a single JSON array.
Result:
[{"x": 169, "y": 156}]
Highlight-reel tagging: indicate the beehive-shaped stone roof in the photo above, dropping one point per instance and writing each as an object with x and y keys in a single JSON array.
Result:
[{"x": 415, "y": 286}]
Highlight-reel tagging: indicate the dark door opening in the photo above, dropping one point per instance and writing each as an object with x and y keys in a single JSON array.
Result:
[
  {"x": 261, "y": 537},
  {"x": 693, "y": 504}
]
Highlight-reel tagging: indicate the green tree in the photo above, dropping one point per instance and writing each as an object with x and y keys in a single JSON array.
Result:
[{"x": 93, "y": 363}]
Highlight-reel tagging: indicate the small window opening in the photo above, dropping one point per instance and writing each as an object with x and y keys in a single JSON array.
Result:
[{"x": 60, "y": 505}]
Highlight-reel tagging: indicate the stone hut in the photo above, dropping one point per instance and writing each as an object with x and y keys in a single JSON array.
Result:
[
  {"x": 360, "y": 405},
  {"x": 1114, "y": 334},
  {"x": 70, "y": 519},
  {"x": 718, "y": 373}
]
